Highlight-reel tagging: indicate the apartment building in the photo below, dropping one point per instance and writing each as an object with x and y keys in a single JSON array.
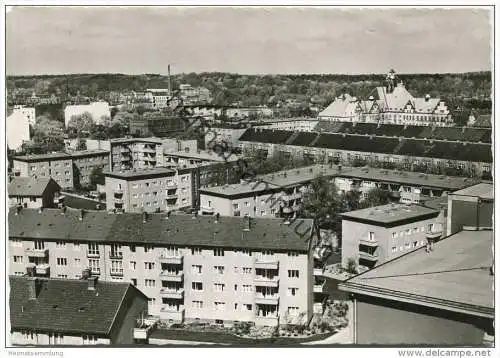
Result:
[
  {"x": 187, "y": 157},
  {"x": 442, "y": 297},
  {"x": 375, "y": 235},
  {"x": 223, "y": 135},
  {"x": 33, "y": 193},
  {"x": 84, "y": 163},
  {"x": 149, "y": 190},
  {"x": 17, "y": 130},
  {"x": 404, "y": 186},
  {"x": 58, "y": 166},
  {"x": 471, "y": 207},
  {"x": 343, "y": 148},
  {"x": 160, "y": 125},
  {"x": 192, "y": 268},
  {"x": 277, "y": 194},
  {"x": 193, "y": 95},
  {"x": 142, "y": 153},
  {"x": 28, "y": 112},
  {"x": 159, "y": 97},
  {"x": 289, "y": 124},
  {"x": 55, "y": 311}
]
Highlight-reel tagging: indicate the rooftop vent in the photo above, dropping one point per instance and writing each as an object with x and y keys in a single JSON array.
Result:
[
  {"x": 18, "y": 209},
  {"x": 92, "y": 283},
  {"x": 33, "y": 288},
  {"x": 82, "y": 214},
  {"x": 247, "y": 223}
]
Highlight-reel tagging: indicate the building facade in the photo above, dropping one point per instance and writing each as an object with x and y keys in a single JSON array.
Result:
[
  {"x": 373, "y": 236},
  {"x": 58, "y": 166},
  {"x": 190, "y": 268},
  {"x": 85, "y": 162},
  {"x": 149, "y": 190},
  {"x": 33, "y": 193},
  {"x": 17, "y": 126}
]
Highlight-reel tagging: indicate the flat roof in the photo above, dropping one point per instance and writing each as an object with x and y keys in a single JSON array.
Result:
[
  {"x": 138, "y": 140},
  {"x": 41, "y": 157},
  {"x": 248, "y": 188},
  {"x": 300, "y": 175},
  {"x": 390, "y": 213},
  {"x": 454, "y": 276},
  {"x": 85, "y": 153},
  {"x": 138, "y": 174},
  {"x": 481, "y": 190},
  {"x": 409, "y": 178}
]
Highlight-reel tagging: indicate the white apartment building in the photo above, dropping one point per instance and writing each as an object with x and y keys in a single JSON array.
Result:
[
  {"x": 192, "y": 268},
  {"x": 17, "y": 130}
]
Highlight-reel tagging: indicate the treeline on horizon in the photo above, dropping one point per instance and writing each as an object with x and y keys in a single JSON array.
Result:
[{"x": 227, "y": 88}]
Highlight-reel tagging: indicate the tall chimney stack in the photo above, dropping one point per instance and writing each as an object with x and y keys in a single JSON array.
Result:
[
  {"x": 247, "y": 223},
  {"x": 169, "y": 82},
  {"x": 33, "y": 288},
  {"x": 92, "y": 283},
  {"x": 82, "y": 213}
]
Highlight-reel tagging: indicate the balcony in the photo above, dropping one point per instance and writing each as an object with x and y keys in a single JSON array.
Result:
[
  {"x": 171, "y": 185},
  {"x": 265, "y": 263},
  {"x": 116, "y": 273},
  {"x": 368, "y": 256},
  {"x": 318, "y": 271},
  {"x": 172, "y": 313},
  {"x": 95, "y": 270},
  {"x": 118, "y": 191},
  {"x": 433, "y": 235},
  {"x": 118, "y": 200},
  {"x": 171, "y": 196},
  {"x": 37, "y": 252},
  {"x": 171, "y": 259},
  {"x": 368, "y": 242},
  {"x": 206, "y": 209},
  {"x": 318, "y": 287},
  {"x": 93, "y": 254},
  {"x": 176, "y": 294},
  {"x": 266, "y": 281},
  {"x": 42, "y": 269},
  {"x": 270, "y": 320},
  {"x": 267, "y": 299},
  {"x": 172, "y": 276}
]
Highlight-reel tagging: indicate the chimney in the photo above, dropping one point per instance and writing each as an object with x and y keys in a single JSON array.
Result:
[
  {"x": 167, "y": 216},
  {"x": 92, "y": 283},
  {"x": 247, "y": 223},
  {"x": 33, "y": 288},
  {"x": 195, "y": 214},
  {"x": 40, "y": 210},
  {"x": 63, "y": 210},
  {"x": 18, "y": 209},
  {"x": 82, "y": 213},
  {"x": 144, "y": 217},
  {"x": 217, "y": 217},
  {"x": 427, "y": 97},
  {"x": 85, "y": 274}
]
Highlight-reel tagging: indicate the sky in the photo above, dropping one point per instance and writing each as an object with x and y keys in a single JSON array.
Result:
[{"x": 281, "y": 40}]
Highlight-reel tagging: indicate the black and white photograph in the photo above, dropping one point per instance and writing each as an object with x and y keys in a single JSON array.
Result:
[{"x": 249, "y": 176}]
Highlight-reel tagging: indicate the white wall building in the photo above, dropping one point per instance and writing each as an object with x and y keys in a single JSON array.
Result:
[
  {"x": 17, "y": 130},
  {"x": 98, "y": 110}
]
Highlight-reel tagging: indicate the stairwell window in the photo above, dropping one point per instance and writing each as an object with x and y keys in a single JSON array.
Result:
[
  {"x": 195, "y": 251},
  {"x": 197, "y": 286},
  {"x": 292, "y": 291},
  {"x": 371, "y": 236},
  {"x": 219, "y": 287},
  {"x": 218, "y": 252},
  {"x": 149, "y": 265},
  {"x": 293, "y": 273},
  {"x": 62, "y": 261},
  {"x": 219, "y": 270}
]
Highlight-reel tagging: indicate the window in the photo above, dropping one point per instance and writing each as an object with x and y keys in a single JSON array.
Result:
[
  {"x": 218, "y": 252},
  {"x": 77, "y": 262},
  {"x": 247, "y": 288},
  {"x": 93, "y": 248},
  {"x": 219, "y": 270},
  {"x": 219, "y": 306},
  {"x": 371, "y": 236},
  {"x": 415, "y": 243},
  {"x": 247, "y": 204},
  {"x": 236, "y": 206},
  {"x": 62, "y": 261},
  {"x": 293, "y": 273},
  {"x": 247, "y": 307},
  {"x": 235, "y": 306},
  {"x": 394, "y": 249},
  {"x": 76, "y": 246},
  {"x": 293, "y": 311},
  {"x": 32, "y": 200},
  {"x": 148, "y": 248},
  {"x": 197, "y": 286},
  {"x": 16, "y": 243},
  {"x": 415, "y": 230},
  {"x": 116, "y": 250},
  {"x": 219, "y": 287},
  {"x": 149, "y": 265},
  {"x": 408, "y": 232},
  {"x": 430, "y": 227},
  {"x": 39, "y": 245},
  {"x": 149, "y": 283},
  {"x": 94, "y": 265},
  {"x": 62, "y": 276},
  {"x": 236, "y": 269},
  {"x": 292, "y": 291},
  {"x": 132, "y": 265},
  {"x": 196, "y": 269},
  {"x": 133, "y": 281},
  {"x": 18, "y": 259},
  {"x": 197, "y": 304},
  {"x": 247, "y": 270},
  {"x": 293, "y": 253},
  {"x": 132, "y": 248},
  {"x": 116, "y": 267},
  {"x": 394, "y": 235}
]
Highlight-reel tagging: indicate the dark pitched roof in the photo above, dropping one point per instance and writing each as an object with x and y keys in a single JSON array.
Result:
[
  {"x": 66, "y": 305},
  {"x": 27, "y": 186},
  {"x": 266, "y": 135},
  {"x": 42, "y": 157},
  {"x": 454, "y": 276},
  {"x": 179, "y": 230}
]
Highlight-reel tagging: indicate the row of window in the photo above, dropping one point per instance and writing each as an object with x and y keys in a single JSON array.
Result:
[
  {"x": 183, "y": 179},
  {"x": 55, "y": 338},
  {"x": 410, "y": 231},
  {"x": 56, "y": 164},
  {"x": 408, "y": 245}
]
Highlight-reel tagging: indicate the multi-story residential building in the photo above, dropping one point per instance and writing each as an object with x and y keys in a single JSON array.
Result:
[
  {"x": 158, "y": 125},
  {"x": 191, "y": 268},
  {"x": 17, "y": 127},
  {"x": 391, "y": 104},
  {"x": 33, "y": 193},
  {"x": 159, "y": 97},
  {"x": 142, "y": 153},
  {"x": 408, "y": 187},
  {"x": 343, "y": 148},
  {"x": 28, "y": 112},
  {"x": 442, "y": 297},
  {"x": 471, "y": 207},
  {"x": 58, "y": 166},
  {"x": 59, "y": 311},
  {"x": 98, "y": 110},
  {"x": 278, "y": 194},
  {"x": 289, "y": 124},
  {"x": 375, "y": 235},
  {"x": 194, "y": 95},
  {"x": 149, "y": 190},
  {"x": 187, "y": 157},
  {"x": 223, "y": 135},
  {"x": 84, "y": 163},
  {"x": 244, "y": 112}
]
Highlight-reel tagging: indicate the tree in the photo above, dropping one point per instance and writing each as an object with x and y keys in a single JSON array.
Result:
[
  {"x": 81, "y": 123},
  {"x": 96, "y": 177},
  {"x": 376, "y": 197},
  {"x": 352, "y": 267}
]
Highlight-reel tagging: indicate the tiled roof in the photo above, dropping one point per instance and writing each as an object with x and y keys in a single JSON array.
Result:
[
  {"x": 409, "y": 178},
  {"x": 66, "y": 306},
  {"x": 480, "y": 190},
  {"x": 88, "y": 153},
  {"x": 180, "y": 230},
  {"x": 425, "y": 106},
  {"x": 337, "y": 108},
  {"x": 28, "y": 186},
  {"x": 455, "y": 275},
  {"x": 204, "y": 155},
  {"x": 266, "y": 135},
  {"x": 303, "y": 138}
]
